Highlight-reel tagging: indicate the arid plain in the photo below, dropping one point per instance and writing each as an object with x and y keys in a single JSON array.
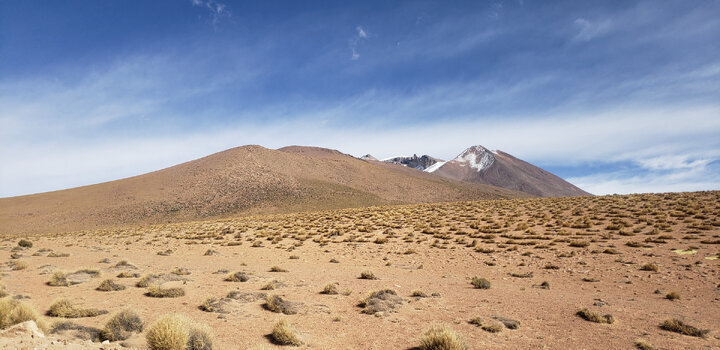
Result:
[{"x": 514, "y": 273}]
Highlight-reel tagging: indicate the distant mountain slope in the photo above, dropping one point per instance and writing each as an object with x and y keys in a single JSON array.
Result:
[
  {"x": 243, "y": 180},
  {"x": 480, "y": 165},
  {"x": 415, "y": 162}
]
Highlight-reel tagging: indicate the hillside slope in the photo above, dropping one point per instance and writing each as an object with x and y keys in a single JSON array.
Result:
[
  {"x": 480, "y": 165},
  {"x": 240, "y": 181}
]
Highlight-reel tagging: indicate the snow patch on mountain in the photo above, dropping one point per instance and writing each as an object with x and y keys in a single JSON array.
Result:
[
  {"x": 434, "y": 167},
  {"x": 477, "y": 157}
]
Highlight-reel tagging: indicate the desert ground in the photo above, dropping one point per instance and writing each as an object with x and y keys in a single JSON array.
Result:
[{"x": 501, "y": 274}]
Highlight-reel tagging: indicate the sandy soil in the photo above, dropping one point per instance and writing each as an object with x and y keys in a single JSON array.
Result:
[{"x": 429, "y": 248}]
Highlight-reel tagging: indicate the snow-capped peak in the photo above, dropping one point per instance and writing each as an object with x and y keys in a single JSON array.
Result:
[{"x": 477, "y": 157}]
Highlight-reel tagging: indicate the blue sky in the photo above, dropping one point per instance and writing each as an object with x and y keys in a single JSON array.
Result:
[{"x": 615, "y": 96}]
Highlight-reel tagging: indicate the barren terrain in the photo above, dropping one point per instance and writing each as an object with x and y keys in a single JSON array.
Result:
[
  {"x": 240, "y": 181},
  {"x": 544, "y": 261}
]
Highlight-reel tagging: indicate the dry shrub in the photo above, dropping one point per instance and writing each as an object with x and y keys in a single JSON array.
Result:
[
  {"x": 109, "y": 286},
  {"x": 180, "y": 271},
  {"x": 58, "y": 279},
  {"x": 277, "y": 269},
  {"x": 509, "y": 323},
  {"x": 13, "y": 312},
  {"x": 592, "y": 316},
  {"x": 643, "y": 345},
  {"x": 125, "y": 274},
  {"x": 480, "y": 283},
  {"x": 169, "y": 332},
  {"x": 237, "y": 277},
  {"x": 488, "y": 326},
  {"x": 284, "y": 334},
  {"x": 276, "y": 303},
  {"x": 177, "y": 332},
  {"x": 367, "y": 275},
  {"x": 199, "y": 338},
  {"x": 672, "y": 296},
  {"x": 146, "y": 279},
  {"x": 65, "y": 308},
  {"x": 418, "y": 294},
  {"x": 19, "y": 265},
  {"x": 442, "y": 338},
  {"x": 122, "y": 325},
  {"x": 330, "y": 288},
  {"x": 156, "y": 291},
  {"x": 271, "y": 285},
  {"x": 25, "y": 243},
  {"x": 649, "y": 267},
  {"x": 380, "y": 301},
  {"x": 677, "y": 326}
]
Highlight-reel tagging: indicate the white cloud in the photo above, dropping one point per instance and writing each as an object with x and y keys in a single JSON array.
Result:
[
  {"x": 624, "y": 183},
  {"x": 590, "y": 30},
  {"x": 217, "y": 9},
  {"x": 355, "y": 42},
  {"x": 672, "y": 162},
  {"x": 611, "y": 136}
]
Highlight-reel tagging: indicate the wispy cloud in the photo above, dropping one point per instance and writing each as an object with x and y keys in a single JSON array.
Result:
[
  {"x": 590, "y": 30},
  {"x": 356, "y": 40},
  {"x": 216, "y": 9}
]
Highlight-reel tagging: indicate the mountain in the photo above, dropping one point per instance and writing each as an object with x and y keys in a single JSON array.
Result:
[
  {"x": 368, "y": 157},
  {"x": 480, "y": 165},
  {"x": 246, "y": 180},
  {"x": 415, "y": 162}
]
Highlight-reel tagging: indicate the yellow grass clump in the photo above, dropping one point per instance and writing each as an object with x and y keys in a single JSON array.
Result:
[{"x": 442, "y": 338}]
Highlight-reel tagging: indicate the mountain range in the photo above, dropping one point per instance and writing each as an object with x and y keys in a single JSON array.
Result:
[
  {"x": 245, "y": 180},
  {"x": 253, "y": 180},
  {"x": 477, "y": 164}
]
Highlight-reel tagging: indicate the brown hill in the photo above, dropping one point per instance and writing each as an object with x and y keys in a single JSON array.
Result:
[
  {"x": 480, "y": 165},
  {"x": 245, "y": 180}
]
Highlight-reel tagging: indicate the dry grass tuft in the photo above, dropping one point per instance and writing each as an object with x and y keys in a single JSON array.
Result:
[
  {"x": 480, "y": 283},
  {"x": 109, "y": 286},
  {"x": 592, "y": 316},
  {"x": 492, "y": 327},
  {"x": 277, "y": 304},
  {"x": 177, "y": 332},
  {"x": 367, "y": 275},
  {"x": 677, "y": 326},
  {"x": 125, "y": 274},
  {"x": 156, "y": 291},
  {"x": 58, "y": 279},
  {"x": 672, "y": 296},
  {"x": 169, "y": 332},
  {"x": 277, "y": 269},
  {"x": 19, "y": 265},
  {"x": 13, "y": 312},
  {"x": 418, "y": 294},
  {"x": 65, "y": 308},
  {"x": 180, "y": 271},
  {"x": 643, "y": 345},
  {"x": 649, "y": 267},
  {"x": 199, "y": 337},
  {"x": 271, "y": 285},
  {"x": 380, "y": 301},
  {"x": 330, "y": 288},
  {"x": 237, "y": 277},
  {"x": 122, "y": 325},
  {"x": 284, "y": 334},
  {"x": 442, "y": 338}
]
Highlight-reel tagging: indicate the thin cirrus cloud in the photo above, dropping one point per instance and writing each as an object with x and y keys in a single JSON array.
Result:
[{"x": 356, "y": 41}]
